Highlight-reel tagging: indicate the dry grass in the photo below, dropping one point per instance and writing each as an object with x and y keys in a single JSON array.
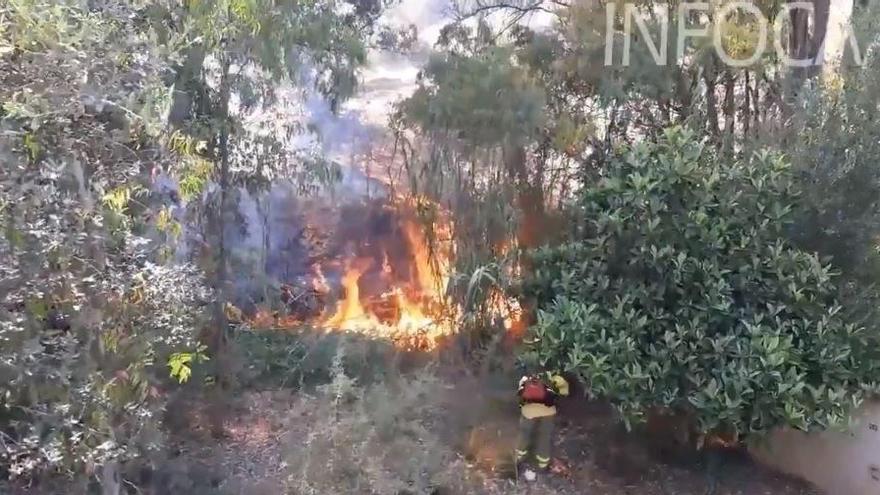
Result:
[
  {"x": 423, "y": 430},
  {"x": 369, "y": 439}
]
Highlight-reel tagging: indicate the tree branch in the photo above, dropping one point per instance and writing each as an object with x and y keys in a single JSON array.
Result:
[{"x": 482, "y": 7}]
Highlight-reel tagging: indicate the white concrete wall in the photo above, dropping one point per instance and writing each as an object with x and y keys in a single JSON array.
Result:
[{"x": 838, "y": 463}]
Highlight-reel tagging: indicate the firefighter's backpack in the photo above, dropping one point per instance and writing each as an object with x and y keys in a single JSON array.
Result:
[{"x": 534, "y": 390}]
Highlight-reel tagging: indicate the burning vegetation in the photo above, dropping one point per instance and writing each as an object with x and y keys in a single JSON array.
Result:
[
  {"x": 375, "y": 270},
  {"x": 393, "y": 279}
]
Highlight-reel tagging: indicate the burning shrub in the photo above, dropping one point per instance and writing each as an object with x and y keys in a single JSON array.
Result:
[{"x": 376, "y": 271}]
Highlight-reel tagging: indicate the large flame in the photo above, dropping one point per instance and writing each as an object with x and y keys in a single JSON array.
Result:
[
  {"x": 410, "y": 305},
  {"x": 430, "y": 267},
  {"x": 350, "y": 311},
  {"x": 391, "y": 281}
]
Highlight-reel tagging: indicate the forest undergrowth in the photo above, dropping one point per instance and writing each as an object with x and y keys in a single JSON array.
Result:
[{"x": 357, "y": 416}]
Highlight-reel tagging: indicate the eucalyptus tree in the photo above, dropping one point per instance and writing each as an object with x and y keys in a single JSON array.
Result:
[
  {"x": 533, "y": 114},
  {"x": 238, "y": 61}
]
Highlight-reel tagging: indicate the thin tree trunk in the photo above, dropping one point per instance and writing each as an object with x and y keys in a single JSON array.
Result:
[
  {"x": 806, "y": 45},
  {"x": 798, "y": 49},
  {"x": 729, "y": 108},
  {"x": 218, "y": 334},
  {"x": 837, "y": 47},
  {"x": 111, "y": 483},
  {"x": 265, "y": 208},
  {"x": 685, "y": 84},
  {"x": 530, "y": 198},
  {"x": 799, "y": 37},
  {"x": 756, "y": 103},
  {"x": 530, "y": 233},
  {"x": 820, "y": 29},
  {"x": 747, "y": 106},
  {"x": 711, "y": 102},
  {"x": 221, "y": 321},
  {"x": 187, "y": 86}
]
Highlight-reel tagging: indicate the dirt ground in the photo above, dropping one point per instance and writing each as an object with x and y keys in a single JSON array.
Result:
[{"x": 477, "y": 421}]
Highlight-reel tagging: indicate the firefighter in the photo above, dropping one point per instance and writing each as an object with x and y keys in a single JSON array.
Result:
[{"x": 537, "y": 397}]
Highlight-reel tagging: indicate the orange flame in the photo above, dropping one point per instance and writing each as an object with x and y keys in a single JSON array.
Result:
[
  {"x": 396, "y": 286},
  {"x": 411, "y": 301},
  {"x": 350, "y": 309},
  {"x": 430, "y": 270}
]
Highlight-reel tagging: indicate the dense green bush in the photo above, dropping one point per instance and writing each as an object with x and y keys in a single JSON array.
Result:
[{"x": 679, "y": 293}]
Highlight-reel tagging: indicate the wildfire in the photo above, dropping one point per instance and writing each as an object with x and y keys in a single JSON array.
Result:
[
  {"x": 427, "y": 267},
  {"x": 350, "y": 311},
  {"x": 413, "y": 286},
  {"x": 386, "y": 275}
]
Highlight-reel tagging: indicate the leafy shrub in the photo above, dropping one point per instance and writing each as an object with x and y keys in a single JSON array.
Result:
[
  {"x": 272, "y": 357},
  {"x": 88, "y": 318},
  {"x": 305, "y": 357},
  {"x": 76, "y": 398},
  {"x": 679, "y": 294}
]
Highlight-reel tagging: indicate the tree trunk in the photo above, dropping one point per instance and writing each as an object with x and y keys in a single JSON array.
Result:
[
  {"x": 221, "y": 320},
  {"x": 187, "y": 86},
  {"x": 799, "y": 37},
  {"x": 836, "y": 46},
  {"x": 711, "y": 101},
  {"x": 820, "y": 28},
  {"x": 729, "y": 109},
  {"x": 686, "y": 82},
  {"x": 756, "y": 103},
  {"x": 264, "y": 207},
  {"x": 747, "y": 106},
  {"x": 111, "y": 482},
  {"x": 807, "y": 44},
  {"x": 216, "y": 339},
  {"x": 530, "y": 232},
  {"x": 530, "y": 198}
]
